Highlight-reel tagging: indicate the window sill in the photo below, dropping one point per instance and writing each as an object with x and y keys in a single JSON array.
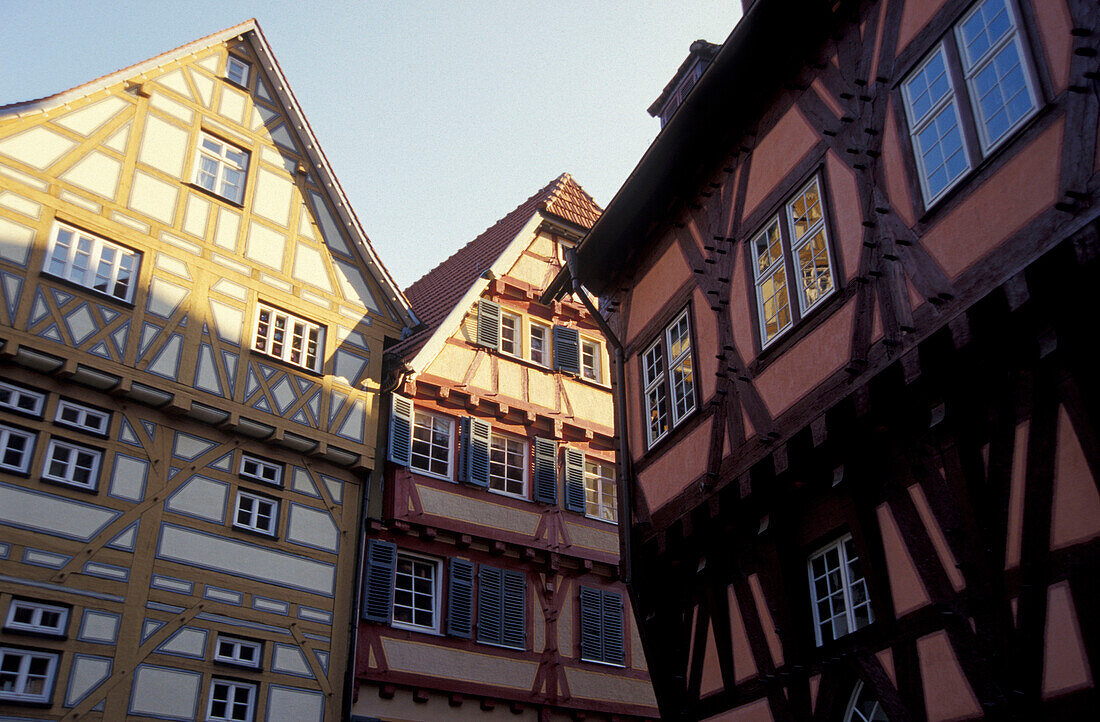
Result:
[
  {"x": 81, "y": 287},
  {"x": 602, "y": 663},
  {"x": 604, "y": 521},
  {"x": 215, "y": 195},
  {"x": 431, "y": 475},
  {"x": 809, "y": 323},
  {"x": 498, "y": 492},
  {"x": 257, "y": 533},
  {"x": 688, "y": 423},
  {"x": 288, "y": 364},
  {"x": 71, "y": 485},
  {"x": 416, "y": 629}
]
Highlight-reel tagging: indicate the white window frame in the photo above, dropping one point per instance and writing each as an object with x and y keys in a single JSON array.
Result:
[
  {"x": 512, "y": 323},
  {"x": 233, "y": 64},
  {"x": 92, "y": 262},
  {"x": 853, "y": 714},
  {"x": 70, "y": 466},
  {"x": 509, "y": 444},
  {"x": 591, "y": 353},
  {"x": 847, "y": 584},
  {"x": 6, "y": 435},
  {"x": 12, "y": 397},
  {"x": 253, "y": 523},
  {"x": 38, "y": 611},
  {"x": 90, "y": 419},
  {"x": 297, "y": 336},
  {"x": 261, "y": 470},
  {"x": 217, "y": 179},
  {"x": 425, "y": 421},
  {"x": 417, "y": 561},
  {"x": 655, "y": 386},
  {"x": 675, "y": 361},
  {"x": 233, "y": 648},
  {"x": 230, "y": 686},
  {"x": 540, "y": 331},
  {"x": 18, "y": 693},
  {"x": 598, "y": 475}
]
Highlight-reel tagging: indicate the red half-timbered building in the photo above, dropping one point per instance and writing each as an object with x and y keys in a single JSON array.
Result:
[
  {"x": 490, "y": 584},
  {"x": 851, "y": 284}
]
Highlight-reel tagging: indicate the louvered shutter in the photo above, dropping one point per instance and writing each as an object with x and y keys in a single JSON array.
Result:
[
  {"x": 567, "y": 350},
  {"x": 574, "y": 480},
  {"x": 489, "y": 597},
  {"x": 514, "y": 610},
  {"x": 460, "y": 599},
  {"x": 400, "y": 442},
  {"x": 474, "y": 456},
  {"x": 377, "y": 601},
  {"x": 546, "y": 471},
  {"x": 488, "y": 324},
  {"x": 591, "y": 603},
  {"x": 612, "y": 614}
]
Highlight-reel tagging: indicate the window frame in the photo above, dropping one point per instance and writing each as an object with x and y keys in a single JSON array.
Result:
[
  {"x": 597, "y": 478},
  {"x": 84, "y": 411},
  {"x": 840, "y": 543},
  {"x": 524, "y": 445},
  {"x": 90, "y": 275},
  {"x": 245, "y": 67},
  {"x": 231, "y": 685},
  {"x": 600, "y": 597},
  {"x": 50, "y": 678},
  {"x": 450, "y": 422},
  {"x": 261, "y": 463},
  {"x": 266, "y": 343},
  {"x": 224, "y": 163},
  {"x": 658, "y": 376},
  {"x": 436, "y": 565},
  {"x": 543, "y": 335},
  {"x": 273, "y": 531},
  {"x": 593, "y": 372},
  {"x": 97, "y": 466},
  {"x": 38, "y": 610},
  {"x": 238, "y": 643},
  {"x": 16, "y": 391},
  {"x": 512, "y": 322},
  {"x": 30, "y": 437}
]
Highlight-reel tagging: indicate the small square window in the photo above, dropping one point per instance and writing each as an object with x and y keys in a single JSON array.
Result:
[
  {"x": 85, "y": 418},
  {"x": 16, "y": 447},
  {"x": 27, "y": 675},
  {"x": 256, "y": 513},
  {"x": 36, "y": 617},
  {"x": 21, "y": 400},
  {"x": 508, "y": 465},
  {"x": 231, "y": 701},
  {"x": 241, "y": 652},
  {"x": 510, "y": 339},
  {"x": 416, "y": 593},
  {"x": 590, "y": 360},
  {"x": 262, "y": 470},
  {"x": 431, "y": 444},
  {"x": 539, "y": 339},
  {"x": 236, "y": 70},
  {"x": 289, "y": 338},
  {"x": 841, "y": 603},
  {"x": 221, "y": 168},
  {"x": 72, "y": 464},
  {"x": 92, "y": 262},
  {"x": 601, "y": 499}
]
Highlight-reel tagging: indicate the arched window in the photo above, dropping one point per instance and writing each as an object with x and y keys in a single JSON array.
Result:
[{"x": 863, "y": 707}]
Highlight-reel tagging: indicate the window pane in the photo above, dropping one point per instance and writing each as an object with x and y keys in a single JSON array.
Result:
[
  {"x": 941, "y": 151},
  {"x": 813, "y": 266},
  {"x": 988, "y": 23},
  {"x": 928, "y": 87},
  {"x": 1001, "y": 93}
]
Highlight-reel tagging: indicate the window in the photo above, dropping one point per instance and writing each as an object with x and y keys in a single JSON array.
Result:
[
  {"x": 590, "y": 360},
  {"x": 85, "y": 418},
  {"x": 600, "y": 495},
  {"x": 37, "y": 617},
  {"x": 256, "y": 513},
  {"x": 667, "y": 375},
  {"x": 16, "y": 446},
  {"x": 231, "y": 701},
  {"x": 982, "y": 69},
  {"x": 72, "y": 465},
  {"x": 416, "y": 588},
  {"x": 289, "y": 338},
  {"x": 539, "y": 339},
  {"x": 431, "y": 443},
  {"x": 17, "y": 398},
  {"x": 242, "y": 652},
  {"x": 794, "y": 246},
  {"x": 262, "y": 470},
  {"x": 237, "y": 71},
  {"x": 221, "y": 168},
  {"x": 863, "y": 707},
  {"x": 601, "y": 626},
  {"x": 507, "y": 465},
  {"x": 840, "y": 600},
  {"x": 510, "y": 338},
  {"x": 502, "y": 608},
  {"x": 92, "y": 262},
  {"x": 27, "y": 675}
]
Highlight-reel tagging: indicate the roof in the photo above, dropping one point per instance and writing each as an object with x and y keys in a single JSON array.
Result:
[
  {"x": 436, "y": 292},
  {"x": 700, "y": 50},
  {"x": 250, "y": 29}
]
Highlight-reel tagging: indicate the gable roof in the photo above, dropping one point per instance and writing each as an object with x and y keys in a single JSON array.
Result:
[{"x": 250, "y": 31}]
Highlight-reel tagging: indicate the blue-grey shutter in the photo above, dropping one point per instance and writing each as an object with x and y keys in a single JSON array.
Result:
[
  {"x": 612, "y": 628},
  {"x": 460, "y": 599},
  {"x": 489, "y": 597},
  {"x": 400, "y": 441},
  {"x": 567, "y": 350},
  {"x": 474, "y": 455},
  {"x": 514, "y": 610},
  {"x": 574, "y": 480},
  {"x": 488, "y": 324},
  {"x": 591, "y": 604},
  {"x": 377, "y": 602},
  {"x": 546, "y": 471}
]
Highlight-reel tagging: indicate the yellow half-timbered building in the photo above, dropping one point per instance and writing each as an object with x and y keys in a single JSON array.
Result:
[{"x": 191, "y": 332}]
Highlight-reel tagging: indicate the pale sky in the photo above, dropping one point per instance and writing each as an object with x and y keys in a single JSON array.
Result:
[{"x": 438, "y": 117}]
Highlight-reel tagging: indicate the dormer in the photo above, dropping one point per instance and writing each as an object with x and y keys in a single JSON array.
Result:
[{"x": 699, "y": 58}]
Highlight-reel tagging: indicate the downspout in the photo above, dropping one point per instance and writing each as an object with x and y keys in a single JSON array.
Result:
[{"x": 626, "y": 507}]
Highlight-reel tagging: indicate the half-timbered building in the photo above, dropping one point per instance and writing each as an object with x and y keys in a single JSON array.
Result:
[
  {"x": 191, "y": 333},
  {"x": 490, "y": 583},
  {"x": 850, "y": 280}
]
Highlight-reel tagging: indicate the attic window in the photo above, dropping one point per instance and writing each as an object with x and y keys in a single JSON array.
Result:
[{"x": 236, "y": 70}]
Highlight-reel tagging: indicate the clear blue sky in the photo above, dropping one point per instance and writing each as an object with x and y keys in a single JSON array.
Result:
[{"x": 438, "y": 117}]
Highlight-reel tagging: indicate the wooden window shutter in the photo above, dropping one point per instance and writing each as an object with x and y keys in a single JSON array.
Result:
[
  {"x": 460, "y": 599},
  {"x": 567, "y": 350},
  {"x": 612, "y": 613},
  {"x": 546, "y": 471},
  {"x": 591, "y": 603},
  {"x": 474, "y": 452},
  {"x": 488, "y": 324},
  {"x": 574, "y": 480},
  {"x": 514, "y": 610},
  {"x": 377, "y": 601},
  {"x": 489, "y": 597},
  {"x": 400, "y": 443}
]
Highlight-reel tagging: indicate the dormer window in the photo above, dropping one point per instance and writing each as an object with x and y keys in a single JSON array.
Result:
[
  {"x": 236, "y": 70},
  {"x": 221, "y": 168}
]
